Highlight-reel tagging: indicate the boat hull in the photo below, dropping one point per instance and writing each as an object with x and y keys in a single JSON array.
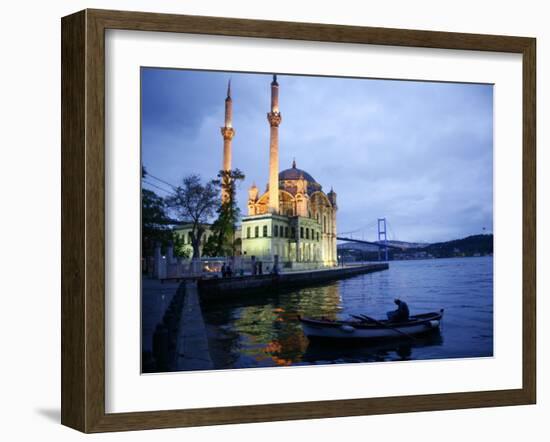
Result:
[{"x": 356, "y": 330}]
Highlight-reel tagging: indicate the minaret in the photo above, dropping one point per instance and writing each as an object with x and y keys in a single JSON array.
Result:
[
  {"x": 228, "y": 133},
  {"x": 274, "y": 118}
]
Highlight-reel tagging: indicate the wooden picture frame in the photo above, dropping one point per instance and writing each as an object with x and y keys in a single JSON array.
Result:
[{"x": 83, "y": 220}]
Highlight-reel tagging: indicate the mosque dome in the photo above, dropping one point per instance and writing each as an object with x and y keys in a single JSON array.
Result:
[{"x": 295, "y": 174}]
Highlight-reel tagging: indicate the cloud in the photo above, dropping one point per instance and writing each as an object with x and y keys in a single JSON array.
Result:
[{"x": 418, "y": 153}]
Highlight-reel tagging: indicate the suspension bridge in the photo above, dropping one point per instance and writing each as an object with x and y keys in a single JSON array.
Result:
[{"x": 382, "y": 243}]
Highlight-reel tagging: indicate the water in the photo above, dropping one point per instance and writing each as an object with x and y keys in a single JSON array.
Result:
[{"x": 262, "y": 329}]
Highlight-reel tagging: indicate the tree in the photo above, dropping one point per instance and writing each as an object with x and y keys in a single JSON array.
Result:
[
  {"x": 155, "y": 224},
  {"x": 210, "y": 247},
  {"x": 195, "y": 203},
  {"x": 222, "y": 241},
  {"x": 180, "y": 249}
]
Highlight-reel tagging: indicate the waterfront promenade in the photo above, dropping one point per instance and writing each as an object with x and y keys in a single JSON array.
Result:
[
  {"x": 239, "y": 284},
  {"x": 193, "y": 352}
]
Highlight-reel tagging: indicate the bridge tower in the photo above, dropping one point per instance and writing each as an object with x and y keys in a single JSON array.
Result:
[{"x": 382, "y": 236}]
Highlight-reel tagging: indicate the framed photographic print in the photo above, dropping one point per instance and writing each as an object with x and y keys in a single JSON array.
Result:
[{"x": 267, "y": 220}]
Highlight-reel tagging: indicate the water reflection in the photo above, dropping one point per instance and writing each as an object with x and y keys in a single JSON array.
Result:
[
  {"x": 262, "y": 329},
  {"x": 392, "y": 350}
]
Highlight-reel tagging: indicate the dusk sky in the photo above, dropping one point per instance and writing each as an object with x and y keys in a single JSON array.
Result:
[{"x": 418, "y": 153}]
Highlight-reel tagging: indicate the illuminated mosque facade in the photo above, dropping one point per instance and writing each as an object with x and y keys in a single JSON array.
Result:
[{"x": 294, "y": 221}]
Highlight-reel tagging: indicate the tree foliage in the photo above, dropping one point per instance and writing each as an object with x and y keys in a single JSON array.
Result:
[
  {"x": 155, "y": 224},
  {"x": 195, "y": 203},
  {"x": 222, "y": 240},
  {"x": 180, "y": 249}
]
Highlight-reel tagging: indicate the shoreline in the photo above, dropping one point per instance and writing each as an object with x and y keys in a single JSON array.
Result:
[{"x": 240, "y": 284}]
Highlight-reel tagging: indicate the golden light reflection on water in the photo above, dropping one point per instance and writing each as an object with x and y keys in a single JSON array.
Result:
[
  {"x": 275, "y": 330},
  {"x": 262, "y": 329}
]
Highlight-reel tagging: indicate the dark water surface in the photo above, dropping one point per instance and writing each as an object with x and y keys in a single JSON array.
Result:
[{"x": 262, "y": 329}]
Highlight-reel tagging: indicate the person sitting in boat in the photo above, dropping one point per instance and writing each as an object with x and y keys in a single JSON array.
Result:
[{"x": 402, "y": 312}]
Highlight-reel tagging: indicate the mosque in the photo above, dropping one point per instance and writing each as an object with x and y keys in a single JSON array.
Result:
[{"x": 293, "y": 222}]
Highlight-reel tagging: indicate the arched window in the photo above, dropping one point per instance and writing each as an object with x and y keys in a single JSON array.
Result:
[
  {"x": 256, "y": 231},
  {"x": 248, "y": 232},
  {"x": 265, "y": 231}
]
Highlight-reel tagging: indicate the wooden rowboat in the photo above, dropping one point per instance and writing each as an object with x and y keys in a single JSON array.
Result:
[{"x": 371, "y": 329}]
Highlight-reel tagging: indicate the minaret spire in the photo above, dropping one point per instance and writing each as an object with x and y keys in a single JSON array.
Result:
[
  {"x": 274, "y": 118},
  {"x": 227, "y": 133},
  {"x": 228, "y": 107}
]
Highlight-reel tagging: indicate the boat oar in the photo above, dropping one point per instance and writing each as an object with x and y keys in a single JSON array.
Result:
[
  {"x": 359, "y": 317},
  {"x": 368, "y": 318}
]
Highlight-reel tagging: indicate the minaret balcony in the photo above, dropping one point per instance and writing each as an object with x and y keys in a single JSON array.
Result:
[
  {"x": 274, "y": 118},
  {"x": 228, "y": 133}
]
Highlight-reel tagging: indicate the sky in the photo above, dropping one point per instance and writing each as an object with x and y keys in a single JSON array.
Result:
[{"x": 419, "y": 154}]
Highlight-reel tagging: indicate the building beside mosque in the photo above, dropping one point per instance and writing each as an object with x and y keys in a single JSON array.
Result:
[{"x": 294, "y": 221}]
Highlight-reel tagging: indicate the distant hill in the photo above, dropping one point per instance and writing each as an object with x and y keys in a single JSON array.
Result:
[
  {"x": 373, "y": 248},
  {"x": 469, "y": 246},
  {"x": 475, "y": 245},
  {"x": 407, "y": 245}
]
